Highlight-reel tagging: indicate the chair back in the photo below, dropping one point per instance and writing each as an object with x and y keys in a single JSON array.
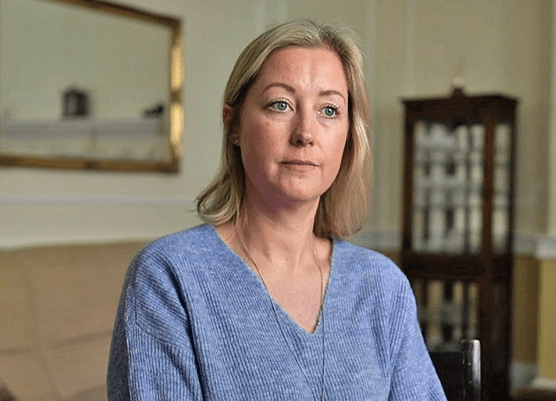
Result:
[{"x": 460, "y": 371}]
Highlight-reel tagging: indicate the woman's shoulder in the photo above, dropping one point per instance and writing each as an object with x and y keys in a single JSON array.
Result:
[
  {"x": 363, "y": 258},
  {"x": 369, "y": 268},
  {"x": 164, "y": 275},
  {"x": 197, "y": 236},
  {"x": 192, "y": 240},
  {"x": 181, "y": 248}
]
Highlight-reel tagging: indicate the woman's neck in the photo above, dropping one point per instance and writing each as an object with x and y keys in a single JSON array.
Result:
[{"x": 278, "y": 238}]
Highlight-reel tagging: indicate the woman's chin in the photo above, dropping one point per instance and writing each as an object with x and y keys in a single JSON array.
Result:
[
  {"x": 289, "y": 193},
  {"x": 301, "y": 195}
]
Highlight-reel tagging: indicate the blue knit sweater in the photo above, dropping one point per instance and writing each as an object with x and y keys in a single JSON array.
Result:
[{"x": 195, "y": 323}]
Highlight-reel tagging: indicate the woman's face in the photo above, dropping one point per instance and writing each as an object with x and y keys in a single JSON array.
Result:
[{"x": 293, "y": 126}]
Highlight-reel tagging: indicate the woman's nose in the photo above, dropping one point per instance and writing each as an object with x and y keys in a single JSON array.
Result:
[{"x": 303, "y": 131}]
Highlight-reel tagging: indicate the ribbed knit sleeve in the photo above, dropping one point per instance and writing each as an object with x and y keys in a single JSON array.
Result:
[
  {"x": 152, "y": 355},
  {"x": 413, "y": 376}
]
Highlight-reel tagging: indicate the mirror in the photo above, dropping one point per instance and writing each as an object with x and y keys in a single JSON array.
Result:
[{"x": 89, "y": 85}]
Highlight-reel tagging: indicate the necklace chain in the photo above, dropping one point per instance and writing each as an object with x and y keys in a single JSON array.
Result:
[{"x": 282, "y": 330}]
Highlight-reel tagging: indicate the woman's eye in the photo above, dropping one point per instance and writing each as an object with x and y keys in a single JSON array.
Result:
[
  {"x": 329, "y": 111},
  {"x": 279, "y": 106}
]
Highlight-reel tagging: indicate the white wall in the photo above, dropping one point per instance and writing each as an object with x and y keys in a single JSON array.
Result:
[{"x": 413, "y": 48}]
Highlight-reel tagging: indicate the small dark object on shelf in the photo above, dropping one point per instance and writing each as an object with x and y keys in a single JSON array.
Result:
[
  {"x": 76, "y": 103},
  {"x": 155, "y": 111}
]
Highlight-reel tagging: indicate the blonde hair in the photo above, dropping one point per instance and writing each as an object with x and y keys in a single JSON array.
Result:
[{"x": 344, "y": 207}]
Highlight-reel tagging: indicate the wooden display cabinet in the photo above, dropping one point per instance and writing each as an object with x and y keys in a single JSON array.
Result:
[{"x": 458, "y": 216}]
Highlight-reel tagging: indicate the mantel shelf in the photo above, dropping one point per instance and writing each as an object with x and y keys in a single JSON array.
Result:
[{"x": 75, "y": 127}]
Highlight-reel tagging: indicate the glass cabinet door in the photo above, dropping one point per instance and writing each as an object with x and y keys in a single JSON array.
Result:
[{"x": 448, "y": 187}]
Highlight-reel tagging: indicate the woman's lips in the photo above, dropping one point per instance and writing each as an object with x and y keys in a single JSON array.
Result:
[
  {"x": 300, "y": 162},
  {"x": 299, "y": 165}
]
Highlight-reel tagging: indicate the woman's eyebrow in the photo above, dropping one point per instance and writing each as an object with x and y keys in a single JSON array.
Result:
[
  {"x": 287, "y": 87},
  {"x": 332, "y": 92},
  {"x": 291, "y": 89}
]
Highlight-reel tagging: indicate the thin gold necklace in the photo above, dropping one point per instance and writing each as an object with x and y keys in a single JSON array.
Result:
[{"x": 279, "y": 320}]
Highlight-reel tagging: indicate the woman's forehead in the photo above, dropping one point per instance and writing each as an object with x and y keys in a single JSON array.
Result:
[{"x": 318, "y": 68}]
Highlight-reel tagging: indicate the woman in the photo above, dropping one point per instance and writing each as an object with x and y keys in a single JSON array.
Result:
[{"x": 265, "y": 302}]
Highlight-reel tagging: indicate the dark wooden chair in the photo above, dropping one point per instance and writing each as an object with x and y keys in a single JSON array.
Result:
[{"x": 460, "y": 371}]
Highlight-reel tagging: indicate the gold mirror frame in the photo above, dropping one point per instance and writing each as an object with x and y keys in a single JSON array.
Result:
[{"x": 175, "y": 109}]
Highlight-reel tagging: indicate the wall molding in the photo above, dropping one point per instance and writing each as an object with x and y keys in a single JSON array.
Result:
[
  {"x": 522, "y": 375},
  {"x": 412, "y": 26},
  {"x": 541, "y": 247},
  {"x": 546, "y": 248},
  {"x": 551, "y": 182},
  {"x": 92, "y": 200},
  {"x": 383, "y": 240},
  {"x": 260, "y": 17},
  {"x": 544, "y": 383}
]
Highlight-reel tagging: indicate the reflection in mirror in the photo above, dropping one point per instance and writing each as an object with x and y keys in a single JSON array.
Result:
[{"x": 89, "y": 84}]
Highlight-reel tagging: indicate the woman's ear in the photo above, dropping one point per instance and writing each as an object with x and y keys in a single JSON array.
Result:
[{"x": 227, "y": 118}]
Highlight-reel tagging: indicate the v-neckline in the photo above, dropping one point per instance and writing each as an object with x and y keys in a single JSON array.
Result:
[{"x": 286, "y": 317}]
